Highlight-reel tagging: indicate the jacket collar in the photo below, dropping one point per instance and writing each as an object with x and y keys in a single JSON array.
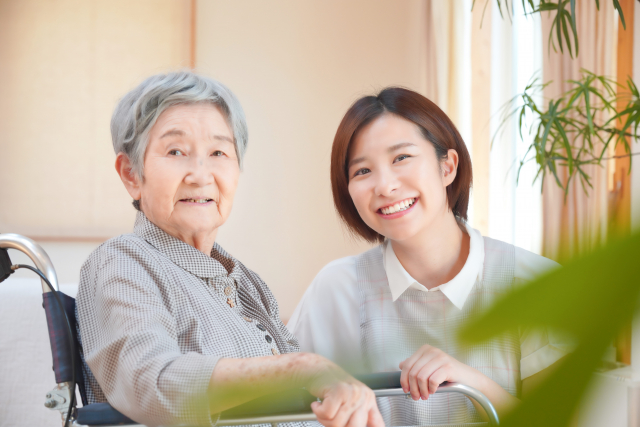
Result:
[{"x": 183, "y": 254}]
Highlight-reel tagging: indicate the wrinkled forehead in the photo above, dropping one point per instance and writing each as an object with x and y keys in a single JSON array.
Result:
[{"x": 202, "y": 120}]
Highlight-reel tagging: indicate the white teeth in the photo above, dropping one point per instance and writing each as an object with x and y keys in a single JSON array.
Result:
[{"x": 400, "y": 206}]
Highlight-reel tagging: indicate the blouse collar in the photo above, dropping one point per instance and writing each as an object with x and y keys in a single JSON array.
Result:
[
  {"x": 220, "y": 263},
  {"x": 457, "y": 289}
]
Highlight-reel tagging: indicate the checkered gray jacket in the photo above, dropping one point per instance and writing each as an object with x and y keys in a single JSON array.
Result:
[
  {"x": 155, "y": 315},
  {"x": 393, "y": 331}
]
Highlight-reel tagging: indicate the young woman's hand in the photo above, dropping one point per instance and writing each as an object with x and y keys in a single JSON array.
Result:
[
  {"x": 346, "y": 402},
  {"x": 427, "y": 368}
]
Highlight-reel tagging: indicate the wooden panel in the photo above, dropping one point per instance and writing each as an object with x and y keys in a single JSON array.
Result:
[
  {"x": 192, "y": 33},
  {"x": 65, "y": 64},
  {"x": 620, "y": 196}
]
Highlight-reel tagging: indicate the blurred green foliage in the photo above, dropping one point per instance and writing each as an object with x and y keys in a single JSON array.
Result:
[{"x": 591, "y": 298}]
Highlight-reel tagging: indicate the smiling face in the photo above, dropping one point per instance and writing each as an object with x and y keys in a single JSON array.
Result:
[
  {"x": 396, "y": 182},
  {"x": 190, "y": 173}
]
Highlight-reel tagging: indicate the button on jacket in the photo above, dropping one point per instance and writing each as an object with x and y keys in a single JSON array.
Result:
[{"x": 155, "y": 316}]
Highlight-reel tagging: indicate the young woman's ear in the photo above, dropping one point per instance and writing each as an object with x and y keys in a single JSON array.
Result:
[
  {"x": 450, "y": 167},
  {"x": 128, "y": 177}
]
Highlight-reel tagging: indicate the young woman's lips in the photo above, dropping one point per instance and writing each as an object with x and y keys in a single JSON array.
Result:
[{"x": 400, "y": 213}]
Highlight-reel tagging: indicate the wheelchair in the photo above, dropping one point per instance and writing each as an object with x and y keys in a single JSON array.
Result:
[{"x": 291, "y": 406}]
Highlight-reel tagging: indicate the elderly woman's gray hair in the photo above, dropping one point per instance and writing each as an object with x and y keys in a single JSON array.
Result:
[{"x": 138, "y": 110}]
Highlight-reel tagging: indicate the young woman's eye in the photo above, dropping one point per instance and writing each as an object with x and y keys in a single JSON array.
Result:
[
  {"x": 217, "y": 153},
  {"x": 362, "y": 171},
  {"x": 176, "y": 153},
  {"x": 401, "y": 157}
]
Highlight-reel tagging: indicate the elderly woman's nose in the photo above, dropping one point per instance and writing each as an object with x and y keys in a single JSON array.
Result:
[{"x": 199, "y": 173}]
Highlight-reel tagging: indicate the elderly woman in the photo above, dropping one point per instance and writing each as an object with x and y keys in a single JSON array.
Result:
[{"x": 174, "y": 329}]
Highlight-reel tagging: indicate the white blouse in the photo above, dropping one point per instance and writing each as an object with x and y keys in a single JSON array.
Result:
[{"x": 327, "y": 319}]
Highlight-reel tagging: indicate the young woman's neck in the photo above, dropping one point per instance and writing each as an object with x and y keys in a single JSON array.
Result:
[{"x": 435, "y": 255}]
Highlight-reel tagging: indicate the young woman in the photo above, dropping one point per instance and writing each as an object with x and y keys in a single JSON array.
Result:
[{"x": 401, "y": 175}]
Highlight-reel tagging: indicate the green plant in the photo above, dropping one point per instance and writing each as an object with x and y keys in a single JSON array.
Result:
[
  {"x": 575, "y": 129},
  {"x": 591, "y": 298},
  {"x": 564, "y": 21}
]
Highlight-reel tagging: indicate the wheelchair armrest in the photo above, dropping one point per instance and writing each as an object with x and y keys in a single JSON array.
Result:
[
  {"x": 283, "y": 403},
  {"x": 381, "y": 380},
  {"x": 99, "y": 414},
  {"x": 299, "y": 401}
]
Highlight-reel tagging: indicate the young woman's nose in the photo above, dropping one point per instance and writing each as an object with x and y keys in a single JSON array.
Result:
[
  {"x": 386, "y": 183},
  {"x": 199, "y": 173}
]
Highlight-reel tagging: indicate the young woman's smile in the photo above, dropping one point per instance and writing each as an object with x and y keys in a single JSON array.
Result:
[{"x": 397, "y": 209}]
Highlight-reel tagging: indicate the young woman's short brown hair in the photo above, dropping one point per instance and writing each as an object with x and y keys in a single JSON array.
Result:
[{"x": 436, "y": 128}]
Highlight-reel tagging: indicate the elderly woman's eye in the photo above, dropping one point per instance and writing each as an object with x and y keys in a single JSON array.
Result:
[
  {"x": 218, "y": 153},
  {"x": 176, "y": 153}
]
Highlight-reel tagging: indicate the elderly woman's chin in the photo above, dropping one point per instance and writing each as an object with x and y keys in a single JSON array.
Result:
[
  {"x": 195, "y": 217},
  {"x": 189, "y": 221}
]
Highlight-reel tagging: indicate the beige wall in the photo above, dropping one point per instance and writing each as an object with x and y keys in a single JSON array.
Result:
[
  {"x": 63, "y": 66},
  {"x": 296, "y": 67}
]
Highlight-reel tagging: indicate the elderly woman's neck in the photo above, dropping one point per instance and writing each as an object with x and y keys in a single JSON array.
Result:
[{"x": 203, "y": 242}]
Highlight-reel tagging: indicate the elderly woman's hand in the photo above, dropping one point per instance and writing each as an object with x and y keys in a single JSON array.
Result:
[{"x": 346, "y": 401}]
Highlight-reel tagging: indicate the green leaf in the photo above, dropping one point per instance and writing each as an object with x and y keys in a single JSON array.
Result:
[
  {"x": 573, "y": 12},
  {"x": 604, "y": 281},
  {"x": 558, "y": 23},
  {"x": 552, "y": 168},
  {"x": 563, "y": 23},
  {"x": 567, "y": 145},
  {"x": 616, "y": 5},
  {"x": 574, "y": 28}
]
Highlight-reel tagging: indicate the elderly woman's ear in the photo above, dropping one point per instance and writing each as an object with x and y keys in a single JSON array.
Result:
[{"x": 129, "y": 178}]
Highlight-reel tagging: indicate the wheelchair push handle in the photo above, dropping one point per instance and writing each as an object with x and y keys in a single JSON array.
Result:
[
  {"x": 35, "y": 252},
  {"x": 386, "y": 384}
]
